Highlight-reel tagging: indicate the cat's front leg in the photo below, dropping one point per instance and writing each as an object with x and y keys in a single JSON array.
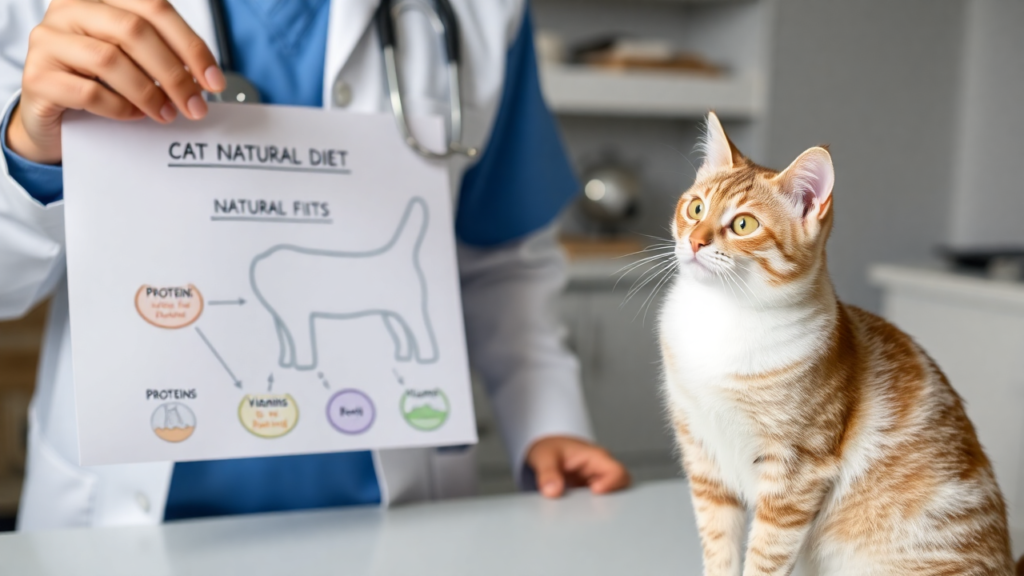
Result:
[
  {"x": 789, "y": 497},
  {"x": 720, "y": 516}
]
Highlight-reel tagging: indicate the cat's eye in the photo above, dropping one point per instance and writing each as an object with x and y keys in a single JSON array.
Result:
[
  {"x": 696, "y": 209},
  {"x": 745, "y": 224}
]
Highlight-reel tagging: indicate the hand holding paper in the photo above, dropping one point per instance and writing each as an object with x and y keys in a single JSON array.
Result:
[{"x": 120, "y": 59}]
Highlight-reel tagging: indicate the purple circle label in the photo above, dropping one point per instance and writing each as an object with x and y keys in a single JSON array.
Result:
[{"x": 350, "y": 411}]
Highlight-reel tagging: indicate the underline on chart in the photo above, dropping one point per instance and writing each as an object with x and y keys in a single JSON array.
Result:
[
  {"x": 251, "y": 167},
  {"x": 269, "y": 219}
]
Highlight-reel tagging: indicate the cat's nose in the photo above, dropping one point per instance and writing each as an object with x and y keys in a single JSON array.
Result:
[
  {"x": 701, "y": 236},
  {"x": 698, "y": 241}
]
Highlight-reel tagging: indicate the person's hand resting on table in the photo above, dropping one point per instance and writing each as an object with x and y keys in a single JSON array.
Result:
[{"x": 559, "y": 462}]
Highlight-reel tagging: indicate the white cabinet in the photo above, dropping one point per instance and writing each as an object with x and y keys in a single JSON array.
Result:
[{"x": 974, "y": 329}]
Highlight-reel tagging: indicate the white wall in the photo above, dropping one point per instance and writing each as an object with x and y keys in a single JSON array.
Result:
[
  {"x": 878, "y": 80},
  {"x": 987, "y": 206}
]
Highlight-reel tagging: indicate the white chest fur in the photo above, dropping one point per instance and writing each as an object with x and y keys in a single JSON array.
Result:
[{"x": 710, "y": 338}]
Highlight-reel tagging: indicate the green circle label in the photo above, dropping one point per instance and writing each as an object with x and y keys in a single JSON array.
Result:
[{"x": 425, "y": 410}]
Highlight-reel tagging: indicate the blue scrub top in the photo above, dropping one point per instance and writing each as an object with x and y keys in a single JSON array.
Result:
[{"x": 519, "y": 185}]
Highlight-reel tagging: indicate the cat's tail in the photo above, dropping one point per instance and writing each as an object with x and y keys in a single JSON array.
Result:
[
  {"x": 1020, "y": 566},
  {"x": 411, "y": 230}
]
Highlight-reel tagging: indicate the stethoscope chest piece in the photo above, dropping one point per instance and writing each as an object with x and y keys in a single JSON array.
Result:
[{"x": 238, "y": 90}]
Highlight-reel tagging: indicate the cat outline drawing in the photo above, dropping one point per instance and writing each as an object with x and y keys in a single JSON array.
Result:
[
  {"x": 299, "y": 286},
  {"x": 835, "y": 430}
]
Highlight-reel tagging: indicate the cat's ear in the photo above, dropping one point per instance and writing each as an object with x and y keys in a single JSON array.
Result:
[
  {"x": 718, "y": 150},
  {"x": 808, "y": 182}
]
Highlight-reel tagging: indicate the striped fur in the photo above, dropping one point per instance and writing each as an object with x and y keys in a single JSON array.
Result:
[{"x": 839, "y": 434}]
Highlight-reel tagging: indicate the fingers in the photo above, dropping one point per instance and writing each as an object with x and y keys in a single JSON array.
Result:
[
  {"x": 185, "y": 43},
  {"x": 77, "y": 93},
  {"x": 136, "y": 37},
  {"x": 597, "y": 469},
  {"x": 560, "y": 460},
  {"x": 608, "y": 475},
  {"x": 547, "y": 467},
  {"x": 92, "y": 58},
  {"x": 120, "y": 59}
]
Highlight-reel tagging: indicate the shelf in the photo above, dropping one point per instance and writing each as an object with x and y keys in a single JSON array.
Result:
[{"x": 582, "y": 90}]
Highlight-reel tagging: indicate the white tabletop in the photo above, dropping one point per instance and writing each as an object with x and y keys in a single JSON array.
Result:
[{"x": 648, "y": 529}]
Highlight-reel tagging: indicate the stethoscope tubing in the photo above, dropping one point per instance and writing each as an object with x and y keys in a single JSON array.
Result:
[
  {"x": 441, "y": 17},
  {"x": 445, "y": 24}
]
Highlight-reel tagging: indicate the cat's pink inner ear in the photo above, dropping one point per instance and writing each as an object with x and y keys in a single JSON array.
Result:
[
  {"x": 809, "y": 180},
  {"x": 716, "y": 147}
]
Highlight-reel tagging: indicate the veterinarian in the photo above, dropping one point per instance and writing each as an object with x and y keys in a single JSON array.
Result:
[{"x": 511, "y": 178}]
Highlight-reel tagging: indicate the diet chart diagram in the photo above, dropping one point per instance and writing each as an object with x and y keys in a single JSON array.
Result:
[{"x": 270, "y": 282}]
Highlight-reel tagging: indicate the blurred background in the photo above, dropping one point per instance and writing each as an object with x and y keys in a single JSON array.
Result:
[{"x": 922, "y": 104}]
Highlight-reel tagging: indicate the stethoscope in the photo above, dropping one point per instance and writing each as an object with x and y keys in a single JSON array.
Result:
[{"x": 442, "y": 20}]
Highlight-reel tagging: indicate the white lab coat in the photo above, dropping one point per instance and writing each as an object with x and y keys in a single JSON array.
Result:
[{"x": 508, "y": 291}]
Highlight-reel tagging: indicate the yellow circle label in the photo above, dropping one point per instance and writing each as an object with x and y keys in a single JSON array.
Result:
[{"x": 268, "y": 415}]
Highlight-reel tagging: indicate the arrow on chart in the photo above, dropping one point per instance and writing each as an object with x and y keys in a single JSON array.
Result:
[
  {"x": 238, "y": 302},
  {"x": 238, "y": 382}
]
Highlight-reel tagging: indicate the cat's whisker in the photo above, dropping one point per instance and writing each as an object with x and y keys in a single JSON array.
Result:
[
  {"x": 643, "y": 260},
  {"x": 630, "y": 266},
  {"x": 651, "y": 248},
  {"x": 751, "y": 290},
  {"x": 685, "y": 157},
  {"x": 653, "y": 297},
  {"x": 640, "y": 278},
  {"x": 660, "y": 271},
  {"x": 747, "y": 294},
  {"x": 659, "y": 238},
  {"x": 736, "y": 279},
  {"x": 652, "y": 260},
  {"x": 636, "y": 289},
  {"x": 726, "y": 280},
  {"x": 647, "y": 279},
  {"x": 644, "y": 276}
]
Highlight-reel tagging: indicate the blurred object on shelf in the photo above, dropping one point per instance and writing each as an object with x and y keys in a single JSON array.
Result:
[
  {"x": 611, "y": 194},
  {"x": 550, "y": 47},
  {"x": 583, "y": 248},
  {"x": 999, "y": 263},
  {"x": 1007, "y": 269},
  {"x": 618, "y": 53}
]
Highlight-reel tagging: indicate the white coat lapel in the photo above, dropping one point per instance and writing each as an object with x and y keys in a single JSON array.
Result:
[
  {"x": 197, "y": 14},
  {"x": 348, "y": 22}
]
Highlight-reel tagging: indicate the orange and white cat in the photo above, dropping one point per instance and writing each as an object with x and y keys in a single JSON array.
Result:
[{"x": 840, "y": 434}]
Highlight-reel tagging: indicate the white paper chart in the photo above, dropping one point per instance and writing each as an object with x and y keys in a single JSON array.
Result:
[{"x": 266, "y": 281}]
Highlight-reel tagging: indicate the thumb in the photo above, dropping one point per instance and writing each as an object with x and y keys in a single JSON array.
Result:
[{"x": 547, "y": 467}]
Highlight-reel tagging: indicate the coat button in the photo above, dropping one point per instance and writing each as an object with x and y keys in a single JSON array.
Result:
[
  {"x": 142, "y": 501},
  {"x": 342, "y": 93}
]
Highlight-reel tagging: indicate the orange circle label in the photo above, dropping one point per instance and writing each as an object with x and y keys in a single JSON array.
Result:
[{"x": 169, "y": 306}]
